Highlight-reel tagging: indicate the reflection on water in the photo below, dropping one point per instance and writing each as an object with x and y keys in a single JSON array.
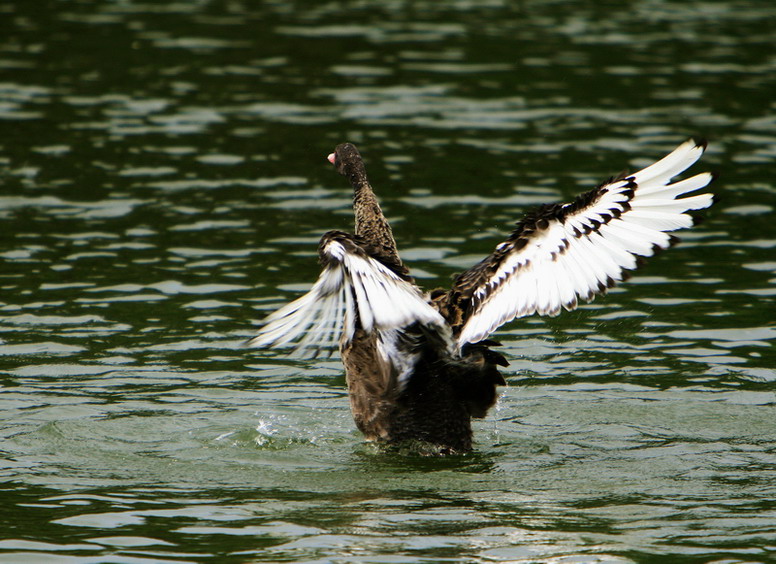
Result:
[{"x": 164, "y": 185}]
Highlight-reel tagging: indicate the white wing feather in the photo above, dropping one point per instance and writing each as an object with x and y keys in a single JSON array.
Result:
[
  {"x": 352, "y": 290},
  {"x": 589, "y": 250}
]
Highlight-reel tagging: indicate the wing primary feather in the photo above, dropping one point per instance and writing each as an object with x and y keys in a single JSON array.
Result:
[
  {"x": 561, "y": 253},
  {"x": 354, "y": 289}
]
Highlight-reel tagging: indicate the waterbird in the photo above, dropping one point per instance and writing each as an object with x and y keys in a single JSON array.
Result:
[{"x": 419, "y": 366}]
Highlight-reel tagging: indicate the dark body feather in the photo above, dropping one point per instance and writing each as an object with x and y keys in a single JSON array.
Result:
[
  {"x": 437, "y": 403},
  {"x": 443, "y": 392}
]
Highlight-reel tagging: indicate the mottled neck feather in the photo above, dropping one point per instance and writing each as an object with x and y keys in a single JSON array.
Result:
[{"x": 370, "y": 221}]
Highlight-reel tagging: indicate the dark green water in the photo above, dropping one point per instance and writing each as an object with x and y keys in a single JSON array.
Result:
[{"x": 163, "y": 184}]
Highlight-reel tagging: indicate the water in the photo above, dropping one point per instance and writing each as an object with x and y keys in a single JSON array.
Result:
[{"x": 164, "y": 185}]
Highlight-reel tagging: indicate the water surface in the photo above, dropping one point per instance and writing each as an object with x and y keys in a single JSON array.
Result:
[{"x": 163, "y": 186}]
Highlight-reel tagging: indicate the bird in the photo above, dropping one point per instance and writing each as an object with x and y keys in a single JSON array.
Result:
[{"x": 420, "y": 365}]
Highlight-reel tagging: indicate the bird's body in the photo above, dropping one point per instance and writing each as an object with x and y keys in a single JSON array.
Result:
[{"x": 419, "y": 367}]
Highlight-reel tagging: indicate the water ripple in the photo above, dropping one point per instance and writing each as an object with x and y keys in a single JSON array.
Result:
[{"x": 164, "y": 186}]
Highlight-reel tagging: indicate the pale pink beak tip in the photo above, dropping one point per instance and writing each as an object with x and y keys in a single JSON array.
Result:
[{"x": 331, "y": 158}]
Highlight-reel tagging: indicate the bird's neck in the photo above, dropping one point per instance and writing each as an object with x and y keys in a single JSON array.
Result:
[{"x": 370, "y": 221}]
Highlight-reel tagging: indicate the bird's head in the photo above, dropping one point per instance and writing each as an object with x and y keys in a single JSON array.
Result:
[{"x": 347, "y": 160}]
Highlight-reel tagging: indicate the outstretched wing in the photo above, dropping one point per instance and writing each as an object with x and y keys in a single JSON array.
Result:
[
  {"x": 563, "y": 252},
  {"x": 355, "y": 289}
]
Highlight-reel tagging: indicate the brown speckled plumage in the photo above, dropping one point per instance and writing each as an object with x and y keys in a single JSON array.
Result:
[
  {"x": 443, "y": 392},
  {"x": 371, "y": 224}
]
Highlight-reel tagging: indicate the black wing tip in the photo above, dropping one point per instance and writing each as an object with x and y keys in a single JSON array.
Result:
[
  {"x": 715, "y": 199},
  {"x": 701, "y": 142},
  {"x": 699, "y": 216}
]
